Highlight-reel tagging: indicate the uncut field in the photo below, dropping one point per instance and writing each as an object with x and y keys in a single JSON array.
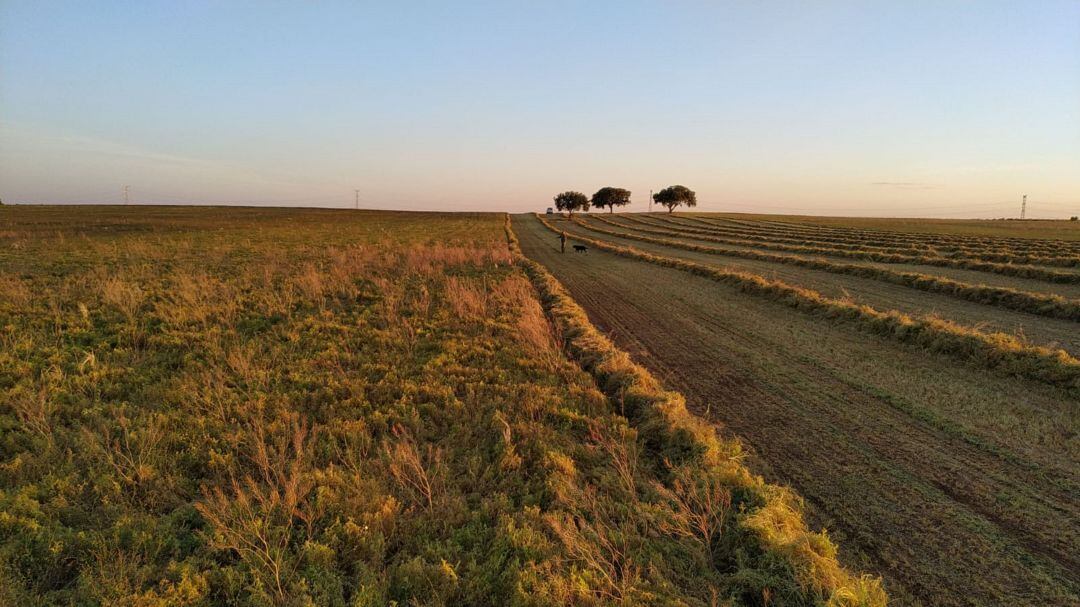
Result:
[
  {"x": 922, "y": 397},
  {"x": 309, "y": 407}
]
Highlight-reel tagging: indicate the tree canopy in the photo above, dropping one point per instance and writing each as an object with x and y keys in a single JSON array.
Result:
[
  {"x": 611, "y": 197},
  {"x": 571, "y": 201},
  {"x": 673, "y": 196}
]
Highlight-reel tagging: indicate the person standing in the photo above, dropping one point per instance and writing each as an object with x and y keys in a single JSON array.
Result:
[{"x": 562, "y": 241}]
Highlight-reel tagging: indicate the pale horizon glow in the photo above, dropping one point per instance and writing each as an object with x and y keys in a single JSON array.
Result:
[{"x": 929, "y": 109}]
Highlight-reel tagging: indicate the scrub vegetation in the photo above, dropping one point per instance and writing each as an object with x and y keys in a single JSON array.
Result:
[{"x": 305, "y": 407}]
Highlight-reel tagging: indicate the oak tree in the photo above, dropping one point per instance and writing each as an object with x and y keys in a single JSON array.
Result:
[
  {"x": 571, "y": 201},
  {"x": 611, "y": 197},
  {"x": 676, "y": 195}
]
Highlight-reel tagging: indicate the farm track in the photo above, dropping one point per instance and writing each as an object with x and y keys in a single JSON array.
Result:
[
  {"x": 950, "y": 513},
  {"x": 1050, "y": 275},
  {"x": 1019, "y": 244},
  {"x": 998, "y": 254},
  {"x": 880, "y": 294}
]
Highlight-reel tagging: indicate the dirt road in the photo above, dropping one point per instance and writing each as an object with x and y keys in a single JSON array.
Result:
[{"x": 957, "y": 485}]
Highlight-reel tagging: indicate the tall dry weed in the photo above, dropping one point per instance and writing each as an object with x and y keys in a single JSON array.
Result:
[
  {"x": 14, "y": 291},
  {"x": 466, "y": 298},
  {"x": 34, "y": 408},
  {"x": 414, "y": 473},
  {"x": 125, "y": 296},
  {"x": 262, "y": 516},
  {"x": 199, "y": 298}
]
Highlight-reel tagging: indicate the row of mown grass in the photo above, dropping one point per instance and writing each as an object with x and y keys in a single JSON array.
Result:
[
  {"x": 996, "y": 254},
  {"x": 672, "y": 434},
  {"x": 1033, "y": 245},
  {"x": 1033, "y": 272},
  {"x": 997, "y": 351},
  {"x": 1053, "y": 306}
]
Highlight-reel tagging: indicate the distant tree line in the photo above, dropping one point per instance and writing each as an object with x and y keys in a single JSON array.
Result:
[{"x": 611, "y": 197}]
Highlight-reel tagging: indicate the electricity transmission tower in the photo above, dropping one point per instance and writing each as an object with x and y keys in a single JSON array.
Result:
[
  {"x": 357, "y": 192},
  {"x": 1023, "y": 207},
  {"x": 127, "y": 197}
]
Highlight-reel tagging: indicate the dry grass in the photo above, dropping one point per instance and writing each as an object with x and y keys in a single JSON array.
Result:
[
  {"x": 684, "y": 440},
  {"x": 469, "y": 300},
  {"x": 968, "y": 230},
  {"x": 296, "y": 407},
  {"x": 1053, "y": 306},
  {"x": 414, "y": 473},
  {"x": 997, "y": 351},
  {"x": 1003, "y": 253},
  {"x": 123, "y": 295},
  {"x": 939, "y": 242},
  {"x": 1005, "y": 269},
  {"x": 13, "y": 291}
]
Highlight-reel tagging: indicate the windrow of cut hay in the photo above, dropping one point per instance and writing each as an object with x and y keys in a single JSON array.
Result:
[
  {"x": 997, "y": 254},
  {"x": 936, "y": 241},
  {"x": 945, "y": 243},
  {"x": 888, "y": 254},
  {"x": 1017, "y": 244},
  {"x": 996, "y": 351},
  {"x": 1053, "y": 306},
  {"x": 674, "y": 435},
  {"x": 1032, "y": 272}
]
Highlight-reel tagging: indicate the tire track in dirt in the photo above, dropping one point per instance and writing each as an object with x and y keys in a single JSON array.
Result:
[{"x": 915, "y": 503}]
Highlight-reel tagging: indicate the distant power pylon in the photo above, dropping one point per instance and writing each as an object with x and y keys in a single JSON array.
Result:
[
  {"x": 357, "y": 192},
  {"x": 127, "y": 196},
  {"x": 1023, "y": 207}
]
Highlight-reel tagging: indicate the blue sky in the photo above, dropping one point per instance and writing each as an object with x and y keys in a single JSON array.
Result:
[{"x": 929, "y": 108}]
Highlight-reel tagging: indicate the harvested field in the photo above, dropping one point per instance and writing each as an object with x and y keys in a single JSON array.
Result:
[
  {"x": 1058, "y": 230},
  {"x": 954, "y": 480},
  {"x": 930, "y": 242},
  {"x": 1000, "y": 253},
  {"x": 1054, "y": 275},
  {"x": 1061, "y": 332}
]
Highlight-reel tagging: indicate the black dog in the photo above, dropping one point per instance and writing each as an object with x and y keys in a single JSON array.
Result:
[{"x": 580, "y": 248}]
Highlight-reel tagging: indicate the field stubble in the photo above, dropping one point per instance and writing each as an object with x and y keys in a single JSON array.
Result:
[{"x": 1021, "y": 330}]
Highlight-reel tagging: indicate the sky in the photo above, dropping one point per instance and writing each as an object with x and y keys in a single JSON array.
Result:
[{"x": 924, "y": 108}]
